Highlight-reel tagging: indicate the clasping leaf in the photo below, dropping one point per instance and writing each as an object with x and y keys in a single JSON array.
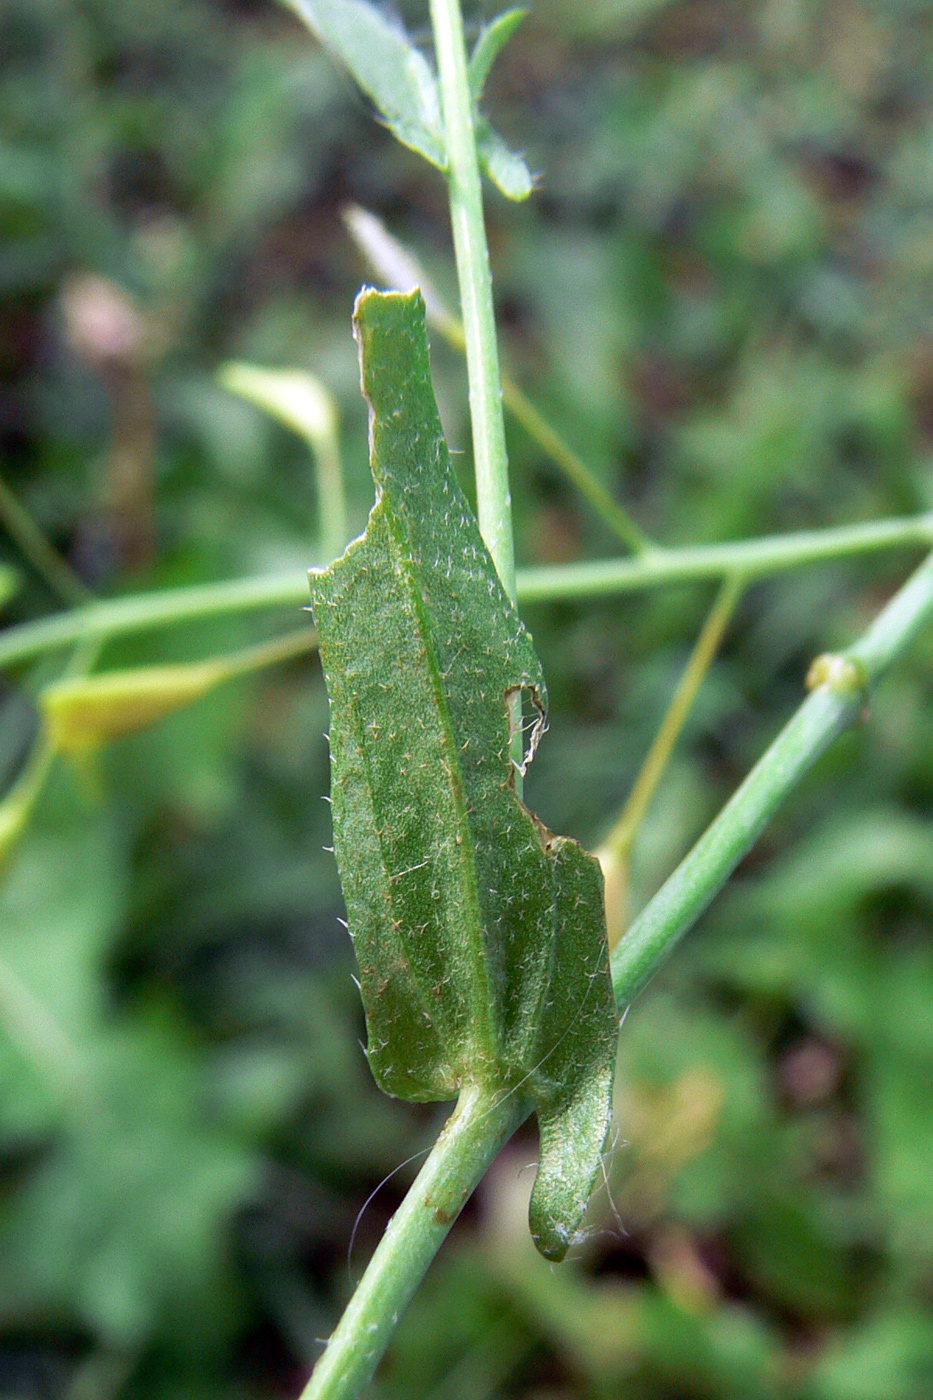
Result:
[{"x": 480, "y": 936}]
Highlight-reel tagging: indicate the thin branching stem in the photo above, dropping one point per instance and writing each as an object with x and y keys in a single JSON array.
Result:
[
  {"x": 834, "y": 704},
  {"x": 258, "y": 658},
  {"x": 574, "y": 468},
  {"x": 42, "y": 555},
  {"x": 754, "y": 559},
  {"x": 415, "y": 1235},
  {"x": 616, "y": 851}
]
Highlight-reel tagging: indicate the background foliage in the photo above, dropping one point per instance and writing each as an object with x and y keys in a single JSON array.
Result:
[{"x": 721, "y": 294}]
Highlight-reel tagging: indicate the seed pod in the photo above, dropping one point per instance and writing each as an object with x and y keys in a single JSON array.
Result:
[{"x": 85, "y": 712}]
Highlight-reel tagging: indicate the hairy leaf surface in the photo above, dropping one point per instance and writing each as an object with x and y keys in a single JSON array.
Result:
[{"x": 480, "y": 936}]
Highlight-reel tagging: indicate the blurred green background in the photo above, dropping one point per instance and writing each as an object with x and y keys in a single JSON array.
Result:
[{"x": 721, "y": 294}]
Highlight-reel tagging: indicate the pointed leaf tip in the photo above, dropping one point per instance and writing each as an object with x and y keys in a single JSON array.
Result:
[
  {"x": 492, "y": 40},
  {"x": 504, "y": 167},
  {"x": 390, "y": 70}
]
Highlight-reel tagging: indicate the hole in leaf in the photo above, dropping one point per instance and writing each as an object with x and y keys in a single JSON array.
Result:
[{"x": 527, "y": 713}]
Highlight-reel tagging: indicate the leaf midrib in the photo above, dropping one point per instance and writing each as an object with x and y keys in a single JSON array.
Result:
[{"x": 483, "y": 1037}]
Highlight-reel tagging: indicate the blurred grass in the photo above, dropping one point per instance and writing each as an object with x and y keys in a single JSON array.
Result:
[{"x": 721, "y": 296}]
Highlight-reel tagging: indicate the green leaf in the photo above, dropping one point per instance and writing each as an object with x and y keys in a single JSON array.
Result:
[
  {"x": 489, "y": 45},
  {"x": 292, "y": 396},
  {"x": 387, "y": 67},
  {"x": 480, "y": 936},
  {"x": 301, "y": 402},
  {"x": 505, "y": 169}
]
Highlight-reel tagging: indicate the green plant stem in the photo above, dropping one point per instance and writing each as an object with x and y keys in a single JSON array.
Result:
[
  {"x": 830, "y": 708},
  {"x": 46, "y": 560},
  {"x": 142, "y": 612},
  {"x": 399, "y": 268},
  {"x": 622, "y": 834},
  {"x": 265, "y": 654},
  {"x": 574, "y": 468},
  {"x": 494, "y": 502},
  {"x": 615, "y": 852},
  {"x": 475, "y": 1133},
  {"x": 755, "y": 559},
  {"x": 469, "y": 1143}
]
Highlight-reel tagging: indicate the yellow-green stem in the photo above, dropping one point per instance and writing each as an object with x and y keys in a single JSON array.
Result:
[
  {"x": 755, "y": 559},
  {"x": 44, "y": 558},
  {"x": 616, "y": 851}
]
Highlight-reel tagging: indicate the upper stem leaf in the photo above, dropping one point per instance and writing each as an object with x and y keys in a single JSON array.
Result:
[
  {"x": 480, "y": 936},
  {"x": 390, "y": 70},
  {"x": 492, "y": 40},
  {"x": 506, "y": 169}
]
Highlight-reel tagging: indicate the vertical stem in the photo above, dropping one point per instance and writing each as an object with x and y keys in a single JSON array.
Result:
[{"x": 494, "y": 501}]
